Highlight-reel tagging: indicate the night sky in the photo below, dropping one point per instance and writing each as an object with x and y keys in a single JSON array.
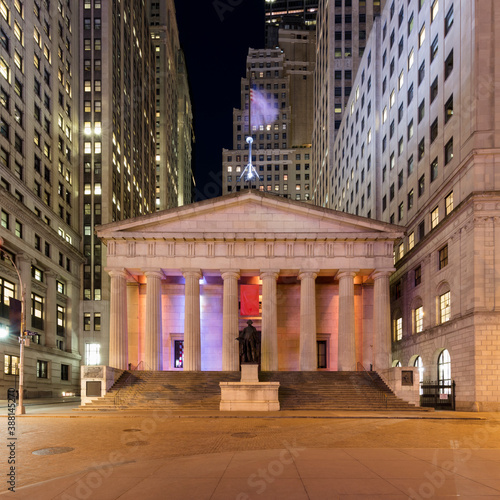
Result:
[{"x": 215, "y": 36}]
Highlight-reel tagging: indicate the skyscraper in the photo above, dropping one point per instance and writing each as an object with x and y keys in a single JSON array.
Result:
[
  {"x": 279, "y": 13},
  {"x": 276, "y": 110},
  {"x": 173, "y": 111},
  {"x": 117, "y": 145},
  {"x": 417, "y": 146},
  {"x": 343, "y": 27},
  {"x": 40, "y": 191}
]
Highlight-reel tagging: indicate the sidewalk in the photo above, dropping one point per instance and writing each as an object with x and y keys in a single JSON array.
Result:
[{"x": 65, "y": 455}]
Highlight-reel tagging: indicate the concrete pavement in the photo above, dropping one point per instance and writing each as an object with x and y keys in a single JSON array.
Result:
[{"x": 65, "y": 454}]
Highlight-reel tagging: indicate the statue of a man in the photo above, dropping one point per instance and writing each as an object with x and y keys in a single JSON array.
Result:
[{"x": 248, "y": 344}]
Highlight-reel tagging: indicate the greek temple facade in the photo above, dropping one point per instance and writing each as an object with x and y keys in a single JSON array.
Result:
[{"x": 321, "y": 279}]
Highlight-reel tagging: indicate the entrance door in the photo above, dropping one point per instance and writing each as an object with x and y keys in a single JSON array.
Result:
[
  {"x": 179, "y": 353},
  {"x": 322, "y": 354}
]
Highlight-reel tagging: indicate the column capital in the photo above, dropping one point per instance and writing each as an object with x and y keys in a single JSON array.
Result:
[
  {"x": 24, "y": 258},
  {"x": 347, "y": 273},
  {"x": 230, "y": 273},
  {"x": 153, "y": 272},
  {"x": 51, "y": 274},
  {"x": 307, "y": 273},
  {"x": 195, "y": 273},
  {"x": 117, "y": 272},
  {"x": 382, "y": 273},
  {"x": 269, "y": 273}
]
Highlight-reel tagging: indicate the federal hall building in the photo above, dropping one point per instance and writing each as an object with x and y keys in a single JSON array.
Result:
[{"x": 315, "y": 283}]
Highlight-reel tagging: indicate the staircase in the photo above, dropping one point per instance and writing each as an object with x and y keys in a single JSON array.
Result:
[{"x": 148, "y": 390}]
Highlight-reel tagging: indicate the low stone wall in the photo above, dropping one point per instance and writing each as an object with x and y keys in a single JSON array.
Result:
[
  {"x": 96, "y": 381},
  {"x": 404, "y": 382}
]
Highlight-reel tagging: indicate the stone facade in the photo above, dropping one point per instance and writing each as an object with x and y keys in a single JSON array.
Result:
[{"x": 322, "y": 276}]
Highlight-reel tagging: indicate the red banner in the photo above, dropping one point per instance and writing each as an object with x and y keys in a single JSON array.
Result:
[{"x": 249, "y": 300}]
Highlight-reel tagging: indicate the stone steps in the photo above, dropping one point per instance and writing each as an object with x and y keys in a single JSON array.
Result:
[{"x": 201, "y": 391}]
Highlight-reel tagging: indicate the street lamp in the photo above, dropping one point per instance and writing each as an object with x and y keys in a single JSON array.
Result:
[{"x": 23, "y": 336}]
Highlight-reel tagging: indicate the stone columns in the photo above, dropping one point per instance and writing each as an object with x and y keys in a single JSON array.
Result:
[
  {"x": 153, "y": 353},
  {"x": 23, "y": 262},
  {"x": 230, "y": 346},
  {"x": 50, "y": 310},
  {"x": 118, "y": 331},
  {"x": 381, "y": 321},
  {"x": 192, "y": 332},
  {"x": 308, "y": 346},
  {"x": 347, "y": 338},
  {"x": 269, "y": 339}
]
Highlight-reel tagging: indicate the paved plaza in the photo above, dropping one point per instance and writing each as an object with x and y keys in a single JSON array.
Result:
[{"x": 66, "y": 454}]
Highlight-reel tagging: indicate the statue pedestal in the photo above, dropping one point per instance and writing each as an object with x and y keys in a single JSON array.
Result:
[{"x": 249, "y": 394}]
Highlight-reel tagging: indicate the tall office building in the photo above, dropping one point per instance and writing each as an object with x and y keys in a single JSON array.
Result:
[
  {"x": 174, "y": 117},
  {"x": 276, "y": 110},
  {"x": 418, "y": 146},
  {"x": 39, "y": 192},
  {"x": 118, "y": 151},
  {"x": 343, "y": 27},
  {"x": 279, "y": 13}
]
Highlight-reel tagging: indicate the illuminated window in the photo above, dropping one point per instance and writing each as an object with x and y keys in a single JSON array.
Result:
[
  {"x": 444, "y": 307},
  {"x": 411, "y": 240},
  {"x": 419, "y": 319},
  {"x": 448, "y": 203},
  {"x": 421, "y": 36},
  {"x": 398, "y": 329},
  {"x": 434, "y": 9},
  {"x": 435, "y": 217},
  {"x": 11, "y": 364},
  {"x": 411, "y": 59},
  {"x": 443, "y": 257},
  {"x": 97, "y": 188},
  {"x": 93, "y": 354},
  {"x": 444, "y": 370}
]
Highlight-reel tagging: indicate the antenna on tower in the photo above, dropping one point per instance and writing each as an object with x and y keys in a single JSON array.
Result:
[{"x": 249, "y": 172}]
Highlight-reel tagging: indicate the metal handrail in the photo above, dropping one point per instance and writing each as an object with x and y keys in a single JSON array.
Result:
[
  {"x": 127, "y": 384},
  {"x": 358, "y": 364}
]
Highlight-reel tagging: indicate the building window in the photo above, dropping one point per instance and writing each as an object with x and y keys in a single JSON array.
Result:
[
  {"x": 10, "y": 364},
  {"x": 37, "y": 311},
  {"x": 418, "y": 363},
  {"x": 398, "y": 329},
  {"x": 64, "y": 372},
  {"x": 418, "y": 275},
  {"x": 434, "y": 89},
  {"x": 443, "y": 257},
  {"x": 93, "y": 354},
  {"x": 448, "y": 204},
  {"x": 434, "y": 169},
  {"x": 421, "y": 186},
  {"x": 410, "y": 200},
  {"x": 418, "y": 319},
  {"x": 411, "y": 240},
  {"x": 434, "y": 130},
  {"x": 448, "y": 109},
  {"x": 448, "y": 20},
  {"x": 42, "y": 369},
  {"x": 434, "y": 217},
  {"x": 448, "y": 151},
  {"x": 448, "y": 65},
  {"x": 434, "y": 48},
  {"x": 97, "y": 322},
  {"x": 444, "y": 307},
  {"x": 61, "y": 320},
  {"x": 444, "y": 370}
]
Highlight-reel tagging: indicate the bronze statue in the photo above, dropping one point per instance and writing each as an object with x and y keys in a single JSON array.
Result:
[{"x": 248, "y": 339}]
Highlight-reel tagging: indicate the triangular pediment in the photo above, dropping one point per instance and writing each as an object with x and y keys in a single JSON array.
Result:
[{"x": 245, "y": 213}]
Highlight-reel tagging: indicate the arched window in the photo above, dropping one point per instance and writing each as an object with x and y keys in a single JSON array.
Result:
[
  {"x": 398, "y": 364},
  {"x": 417, "y": 315},
  {"x": 418, "y": 363},
  {"x": 444, "y": 370}
]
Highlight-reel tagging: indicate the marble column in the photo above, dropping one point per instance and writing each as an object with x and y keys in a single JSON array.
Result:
[
  {"x": 230, "y": 331},
  {"x": 50, "y": 325},
  {"x": 118, "y": 331},
  {"x": 192, "y": 332},
  {"x": 308, "y": 346},
  {"x": 381, "y": 320},
  {"x": 347, "y": 338},
  {"x": 23, "y": 263},
  {"x": 153, "y": 341},
  {"x": 269, "y": 334}
]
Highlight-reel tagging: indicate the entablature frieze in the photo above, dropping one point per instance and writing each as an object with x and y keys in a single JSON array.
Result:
[{"x": 267, "y": 248}]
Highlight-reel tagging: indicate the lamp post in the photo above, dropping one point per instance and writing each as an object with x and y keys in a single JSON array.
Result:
[{"x": 23, "y": 337}]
